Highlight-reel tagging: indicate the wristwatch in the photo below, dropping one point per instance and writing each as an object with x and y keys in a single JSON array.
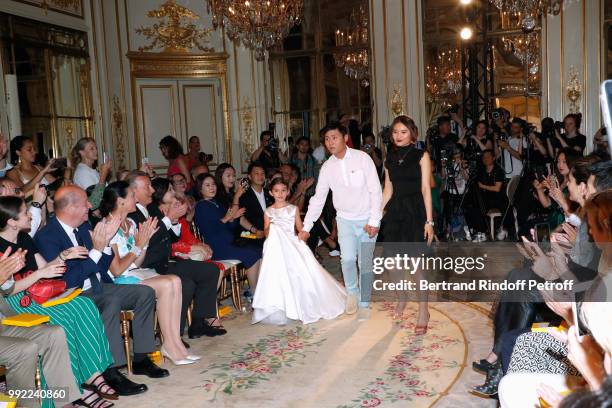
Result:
[
  {"x": 36, "y": 204},
  {"x": 430, "y": 223}
]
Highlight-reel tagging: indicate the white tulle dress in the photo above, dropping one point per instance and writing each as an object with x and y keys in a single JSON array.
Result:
[{"x": 292, "y": 284}]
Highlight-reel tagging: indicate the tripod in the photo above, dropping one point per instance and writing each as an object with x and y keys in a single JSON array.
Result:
[{"x": 456, "y": 206}]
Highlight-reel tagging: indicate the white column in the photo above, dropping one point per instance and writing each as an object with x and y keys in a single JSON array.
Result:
[{"x": 397, "y": 59}]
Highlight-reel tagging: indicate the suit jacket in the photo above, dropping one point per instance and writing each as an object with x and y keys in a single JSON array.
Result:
[
  {"x": 52, "y": 239},
  {"x": 160, "y": 246},
  {"x": 253, "y": 211}
]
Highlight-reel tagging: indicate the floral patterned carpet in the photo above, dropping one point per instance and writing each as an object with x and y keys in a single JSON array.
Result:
[{"x": 339, "y": 363}]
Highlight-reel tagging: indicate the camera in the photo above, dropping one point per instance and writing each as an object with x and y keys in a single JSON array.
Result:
[
  {"x": 367, "y": 146},
  {"x": 558, "y": 125},
  {"x": 497, "y": 115},
  {"x": 244, "y": 183},
  {"x": 273, "y": 144},
  {"x": 453, "y": 109}
]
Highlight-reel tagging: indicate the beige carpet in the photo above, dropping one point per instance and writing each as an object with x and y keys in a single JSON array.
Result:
[{"x": 338, "y": 363}]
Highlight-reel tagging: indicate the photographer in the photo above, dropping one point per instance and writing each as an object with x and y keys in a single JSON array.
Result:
[
  {"x": 369, "y": 146},
  {"x": 571, "y": 137},
  {"x": 478, "y": 140},
  {"x": 441, "y": 139},
  {"x": 510, "y": 148},
  {"x": 268, "y": 154},
  {"x": 600, "y": 143},
  {"x": 455, "y": 177}
]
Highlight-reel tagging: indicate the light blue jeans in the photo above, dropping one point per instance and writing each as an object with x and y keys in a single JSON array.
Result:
[{"x": 356, "y": 245}]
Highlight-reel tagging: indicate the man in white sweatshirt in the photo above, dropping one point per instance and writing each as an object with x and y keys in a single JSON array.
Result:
[{"x": 357, "y": 197}]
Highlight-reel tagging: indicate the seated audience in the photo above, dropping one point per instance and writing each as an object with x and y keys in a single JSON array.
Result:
[
  {"x": 80, "y": 318},
  {"x": 255, "y": 200},
  {"x": 198, "y": 279},
  {"x": 219, "y": 226},
  {"x": 25, "y": 173},
  {"x": 23, "y": 349},
  {"x": 69, "y": 228},
  {"x": 36, "y": 207},
  {"x": 84, "y": 156},
  {"x": 130, "y": 245}
]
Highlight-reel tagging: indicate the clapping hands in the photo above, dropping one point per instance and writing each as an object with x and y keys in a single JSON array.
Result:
[
  {"x": 145, "y": 231},
  {"x": 104, "y": 231}
]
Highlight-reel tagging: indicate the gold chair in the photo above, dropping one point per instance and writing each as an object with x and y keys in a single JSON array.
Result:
[{"x": 126, "y": 318}]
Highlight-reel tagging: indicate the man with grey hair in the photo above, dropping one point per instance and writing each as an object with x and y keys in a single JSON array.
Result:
[{"x": 70, "y": 228}]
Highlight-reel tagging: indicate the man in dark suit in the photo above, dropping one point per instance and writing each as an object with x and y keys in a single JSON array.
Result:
[
  {"x": 199, "y": 279},
  {"x": 255, "y": 200},
  {"x": 70, "y": 228}
]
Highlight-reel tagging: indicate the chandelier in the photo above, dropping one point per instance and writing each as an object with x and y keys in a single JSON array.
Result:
[
  {"x": 443, "y": 77},
  {"x": 526, "y": 49},
  {"x": 530, "y": 9},
  {"x": 258, "y": 24},
  {"x": 352, "y": 47}
]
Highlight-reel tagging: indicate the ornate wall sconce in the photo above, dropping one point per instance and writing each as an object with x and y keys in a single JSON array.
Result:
[
  {"x": 397, "y": 102},
  {"x": 574, "y": 90}
]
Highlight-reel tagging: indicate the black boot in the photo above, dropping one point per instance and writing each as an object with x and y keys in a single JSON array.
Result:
[{"x": 489, "y": 388}]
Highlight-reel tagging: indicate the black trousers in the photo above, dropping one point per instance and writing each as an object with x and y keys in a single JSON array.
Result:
[
  {"x": 199, "y": 281},
  {"x": 114, "y": 299}
]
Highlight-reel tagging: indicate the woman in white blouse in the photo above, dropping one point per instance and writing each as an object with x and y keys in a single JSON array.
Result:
[{"x": 84, "y": 156}]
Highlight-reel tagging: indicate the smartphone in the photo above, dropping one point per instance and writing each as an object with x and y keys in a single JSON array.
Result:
[
  {"x": 605, "y": 97},
  {"x": 542, "y": 236},
  {"x": 60, "y": 162},
  {"x": 554, "y": 181},
  {"x": 145, "y": 160},
  {"x": 104, "y": 157},
  {"x": 244, "y": 182},
  {"x": 580, "y": 328}
]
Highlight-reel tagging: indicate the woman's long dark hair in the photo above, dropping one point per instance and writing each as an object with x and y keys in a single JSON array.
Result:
[
  {"x": 161, "y": 187},
  {"x": 9, "y": 209},
  {"x": 112, "y": 192},
  {"x": 223, "y": 197},
  {"x": 16, "y": 145},
  {"x": 199, "y": 181},
  {"x": 173, "y": 146}
]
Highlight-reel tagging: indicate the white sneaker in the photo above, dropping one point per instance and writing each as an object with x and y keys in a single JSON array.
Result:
[
  {"x": 363, "y": 314},
  {"x": 468, "y": 236},
  {"x": 335, "y": 252},
  {"x": 351, "y": 305}
]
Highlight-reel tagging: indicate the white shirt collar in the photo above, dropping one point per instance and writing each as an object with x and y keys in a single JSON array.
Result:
[
  {"x": 69, "y": 230},
  {"x": 143, "y": 209},
  {"x": 346, "y": 155}
]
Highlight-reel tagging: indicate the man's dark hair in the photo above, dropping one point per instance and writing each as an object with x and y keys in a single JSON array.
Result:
[
  {"x": 262, "y": 134},
  {"x": 603, "y": 175},
  {"x": 255, "y": 165},
  {"x": 302, "y": 138},
  {"x": 443, "y": 119},
  {"x": 335, "y": 126},
  {"x": 488, "y": 151}
]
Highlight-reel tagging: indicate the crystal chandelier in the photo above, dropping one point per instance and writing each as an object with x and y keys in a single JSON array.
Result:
[
  {"x": 443, "y": 77},
  {"x": 530, "y": 10},
  {"x": 526, "y": 48},
  {"x": 352, "y": 47},
  {"x": 258, "y": 24}
]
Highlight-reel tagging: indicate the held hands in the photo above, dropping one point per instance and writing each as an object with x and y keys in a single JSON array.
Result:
[
  {"x": 145, "y": 231},
  {"x": 304, "y": 235},
  {"x": 370, "y": 230}
]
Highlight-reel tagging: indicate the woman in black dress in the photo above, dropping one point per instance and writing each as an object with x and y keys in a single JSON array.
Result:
[{"x": 407, "y": 203}]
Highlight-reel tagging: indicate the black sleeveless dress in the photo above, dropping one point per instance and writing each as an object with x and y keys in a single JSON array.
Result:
[{"x": 405, "y": 215}]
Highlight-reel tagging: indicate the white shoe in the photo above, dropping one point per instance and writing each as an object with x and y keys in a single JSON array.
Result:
[
  {"x": 193, "y": 357},
  {"x": 183, "y": 361},
  {"x": 335, "y": 252},
  {"x": 363, "y": 314},
  {"x": 468, "y": 236},
  {"x": 351, "y": 305}
]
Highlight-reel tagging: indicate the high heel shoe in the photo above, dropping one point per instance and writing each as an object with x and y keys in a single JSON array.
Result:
[
  {"x": 183, "y": 361},
  {"x": 421, "y": 330}
]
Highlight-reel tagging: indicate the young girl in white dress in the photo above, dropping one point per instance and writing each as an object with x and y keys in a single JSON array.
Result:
[{"x": 292, "y": 284}]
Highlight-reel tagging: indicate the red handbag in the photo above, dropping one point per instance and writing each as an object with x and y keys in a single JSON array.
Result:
[{"x": 42, "y": 290}]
